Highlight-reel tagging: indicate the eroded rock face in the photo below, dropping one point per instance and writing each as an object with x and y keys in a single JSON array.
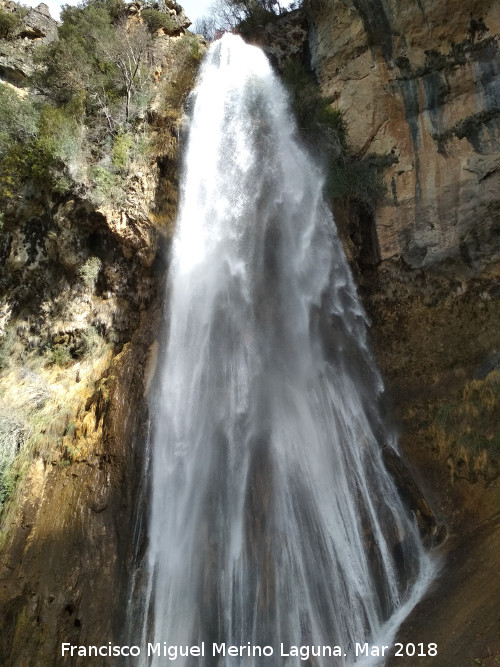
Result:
[
  {"x": 77, "y": 354},
  {"x": 285, "y": 39},
  {"x": 16, "y": 55},
  {"x": 39, "y": 24},
  {"x": 419, "y": 83}
]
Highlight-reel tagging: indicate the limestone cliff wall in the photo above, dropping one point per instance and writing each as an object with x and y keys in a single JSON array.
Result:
[
  {"x": 419, "y": 86},
  {"x": 80, "y": 311},
  {"x": 419, "y": 83}
]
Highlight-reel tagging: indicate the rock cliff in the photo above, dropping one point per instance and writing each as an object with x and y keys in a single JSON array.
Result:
[
  {"x": 79, "y": 315},
  {"x": 16, "y": 55},
  {"x": 419, "y": 84}
]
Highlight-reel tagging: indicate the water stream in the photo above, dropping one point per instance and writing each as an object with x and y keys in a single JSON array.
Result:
[{"x": 273, "y": 520}]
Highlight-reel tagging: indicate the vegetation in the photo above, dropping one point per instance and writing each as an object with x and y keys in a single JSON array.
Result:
[
  {"x": 59, "y": 355},
  {"x": 9, "y": 24},
  {"x": 323, "y": 128},
  {"x": 156, "y": 20},
  {"x": 98, "y": 68},
  {"x": 86, "y": 125},
  {"x": 88, "y": 344},
  {"x": 247, "y": 17},
  {"x": 89, "y": 272},
  {"x": 463, "y": 428},
  {"x": 14, "y": 431},
  {"x": 6, "y": 342},
  {"x": 35, "y": 414}
]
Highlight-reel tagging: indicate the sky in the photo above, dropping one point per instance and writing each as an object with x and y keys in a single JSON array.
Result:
[{"x": 193, "y": 8}]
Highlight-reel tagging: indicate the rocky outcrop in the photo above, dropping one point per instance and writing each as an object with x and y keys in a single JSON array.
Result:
[
  {"x": 179, "y": 19},
  {"x": 421, "y": 90},
  {"x": 16, "y": 54},
  {"x": 68, "y": 552},
  {"x": 285, "y": 38},
  {"x": 39, "y": 24}
]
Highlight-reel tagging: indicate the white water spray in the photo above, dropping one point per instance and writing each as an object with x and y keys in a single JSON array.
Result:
[{"x": 273, "y": 519}]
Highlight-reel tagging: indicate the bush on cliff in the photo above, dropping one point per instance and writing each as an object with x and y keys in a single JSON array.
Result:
[
  {"x": 38, "y": 143},
  {"x": 100, "y": 64},
  {"x": 324, "y": 129},
  {"x": 9, "y": 24},
  {"x": 87, "y": 124},
  {"x": 156, "y": 20}
]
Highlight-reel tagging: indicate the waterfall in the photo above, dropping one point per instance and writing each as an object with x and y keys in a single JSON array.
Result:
[{"x": 273, "y": 519}]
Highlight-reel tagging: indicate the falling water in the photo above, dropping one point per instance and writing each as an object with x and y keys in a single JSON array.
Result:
[{"x": 273, "y": 519}]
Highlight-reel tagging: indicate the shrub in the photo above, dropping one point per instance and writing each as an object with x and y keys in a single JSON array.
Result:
[
  {"x": 6, "y": 343},
  {"x": 247, "y": 17},
  {"x": 59, "y": 133},
  {"x": 18, "y": 131},
  {"x": 324, "y": 129},
  {"x": 13, "y": 434},
  {"x": 59, "y": 355},
  {"x": 155, "y": 20},
  {"x": 89, "y": 272},
  {"x": 254, "y": 23},
  {"x": 187, "y": 55},
  {"x": 121, "y": 151},
  {"x": 101, "y": 60},
  {"x": 9, "y": 24},
  {"x": 37, "y": 143},
  {"x": 318, "y": 122},
  {"x": 89, "y": 343},
  {"x": 106, "y": 186},
  {"x": 19, "y": 117}
]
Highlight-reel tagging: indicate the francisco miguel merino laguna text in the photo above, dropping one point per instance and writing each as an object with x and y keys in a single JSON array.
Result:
[{"x": 172, "y": 652}]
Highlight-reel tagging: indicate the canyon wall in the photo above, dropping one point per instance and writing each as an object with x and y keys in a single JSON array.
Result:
[
  {"x": 419, "y": 84},
  {"x": 80, "y": 312},
  {"x": 420, "y": 92},
  {"x": 419, "y": 87}
]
